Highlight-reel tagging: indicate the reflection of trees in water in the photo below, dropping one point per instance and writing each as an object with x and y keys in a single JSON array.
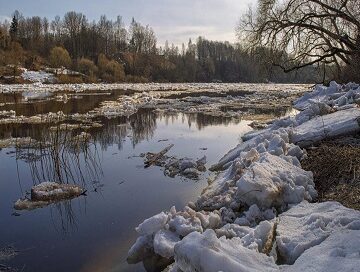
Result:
[
  {"x": 61, "y": 158},
  {"x": 35, "y": 131},
  {"x": 143, "y": 125},
  {"x": 63, "y": 216},
  {"x": 201, "y": 120},
  {"x": 114, "y": 131}
]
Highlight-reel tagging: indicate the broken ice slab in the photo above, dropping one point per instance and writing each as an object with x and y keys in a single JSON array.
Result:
[
  {"x": 47, "y": 193},
  {"x": 339, "y": 123}
]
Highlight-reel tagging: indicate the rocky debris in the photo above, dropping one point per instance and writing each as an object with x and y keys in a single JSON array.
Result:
[
  {"x": 7, "y": 253},
  {"x": 173, "y": 166},
  {"x": 47, "y": 193},
  {"x": 156, "y": 158}
]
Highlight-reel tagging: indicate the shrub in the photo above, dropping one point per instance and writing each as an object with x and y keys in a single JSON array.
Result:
[
  {"x": 59, "y": 57},
  {"x": 110, "y": 70},
  {"x": 87, "y": 67}
]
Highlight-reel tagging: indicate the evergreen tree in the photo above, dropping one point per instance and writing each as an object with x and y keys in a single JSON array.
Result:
[{"x": 14, "y": 27}]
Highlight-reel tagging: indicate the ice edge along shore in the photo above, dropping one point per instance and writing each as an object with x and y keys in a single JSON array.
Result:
[{"x": 257, "y": 215}]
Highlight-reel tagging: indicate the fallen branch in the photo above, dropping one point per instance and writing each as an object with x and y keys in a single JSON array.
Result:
[{"x": 157, "y": 156}]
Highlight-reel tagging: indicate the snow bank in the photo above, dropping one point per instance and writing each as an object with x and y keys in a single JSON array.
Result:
[
  {"x": 161, "y": 232},
  {"x": 38, "y": 76},
  {"x": 307, "y": 225},
  {"x": 164, "y": 243},
  {"x": 339, "y": 252}
]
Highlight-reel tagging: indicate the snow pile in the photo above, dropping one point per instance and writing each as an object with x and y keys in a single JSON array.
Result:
[
  {"x": 161, "y": 232},
  {"x": 7, "y": 114},
  {"x": 264, "y": 171},
  {"x": 259, "y": 238},
  {"x": 335, "y": 95},
  {"x": 275, "y": 182},
  {"x": 51, "y": 117},
  {"x": 38, "y": 76}
]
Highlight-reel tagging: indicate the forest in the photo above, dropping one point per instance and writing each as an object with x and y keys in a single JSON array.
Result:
[{"x": 109, "y": 51}]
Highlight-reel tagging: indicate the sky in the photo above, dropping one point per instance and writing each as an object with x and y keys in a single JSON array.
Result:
[{"x": 172, "y": 20}]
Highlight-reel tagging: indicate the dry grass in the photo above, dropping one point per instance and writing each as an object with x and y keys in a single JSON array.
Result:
[{"x": 336, "y": 168}]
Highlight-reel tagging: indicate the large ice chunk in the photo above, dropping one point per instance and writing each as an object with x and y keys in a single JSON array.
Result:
[
  {"x": 275, "y": 182},
  {"x": 328, "y": 126},
  {"x": 152, "y": 224},
  {"x": 164, "y": 242},
  {"x": 207, "y": 253}
]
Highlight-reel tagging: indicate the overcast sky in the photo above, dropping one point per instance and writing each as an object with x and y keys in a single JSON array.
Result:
[{"x": 173, "y": 20}]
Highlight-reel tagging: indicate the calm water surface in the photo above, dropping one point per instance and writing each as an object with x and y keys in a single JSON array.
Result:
[{"x": 94, "y": 232}]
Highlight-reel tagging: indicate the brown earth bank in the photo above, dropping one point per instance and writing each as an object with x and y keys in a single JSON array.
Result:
[{"x": 336, "y": 168}]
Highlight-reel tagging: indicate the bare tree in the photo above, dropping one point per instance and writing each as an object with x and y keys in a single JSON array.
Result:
[{"x": 310, "y": 32}]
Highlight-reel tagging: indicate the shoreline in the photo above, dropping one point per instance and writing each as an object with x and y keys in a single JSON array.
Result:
[{"x": 257, "y": 215}]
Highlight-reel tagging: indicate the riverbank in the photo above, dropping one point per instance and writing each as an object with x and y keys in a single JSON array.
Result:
[{"x": 261, "y": 212}]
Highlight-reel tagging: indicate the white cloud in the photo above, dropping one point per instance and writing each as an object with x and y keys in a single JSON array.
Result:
[{"x": 173, "y": 20}]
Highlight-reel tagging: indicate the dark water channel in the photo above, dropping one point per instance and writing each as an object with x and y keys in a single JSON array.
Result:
[{"x": 94, "y": 232}]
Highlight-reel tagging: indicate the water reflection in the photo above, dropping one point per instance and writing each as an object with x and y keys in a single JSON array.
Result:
[
  {"x": 120, "y": 195},
  {"x": 73, "y": 103},
  {"x": 139, "y": 127}
]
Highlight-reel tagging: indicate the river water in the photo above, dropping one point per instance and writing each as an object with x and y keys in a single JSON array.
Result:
[{"x": 94, "y": 232}]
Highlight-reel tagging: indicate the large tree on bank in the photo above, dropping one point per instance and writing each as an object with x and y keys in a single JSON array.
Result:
[{"x": 311, "y": 32}]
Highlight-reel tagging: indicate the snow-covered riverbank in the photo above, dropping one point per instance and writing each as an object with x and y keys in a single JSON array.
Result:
[{"x": 257, "y": 215}]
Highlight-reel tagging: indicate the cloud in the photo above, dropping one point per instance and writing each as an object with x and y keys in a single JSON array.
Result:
[
  {"x": 173, "y": 20},
  {"x": 181, "y": 34}
]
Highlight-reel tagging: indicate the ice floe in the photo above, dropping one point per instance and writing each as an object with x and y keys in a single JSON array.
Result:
[{"x": 46, "y": 193}]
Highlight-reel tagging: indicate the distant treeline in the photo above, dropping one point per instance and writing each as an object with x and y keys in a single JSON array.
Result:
[{"x": 107, "y": 50}]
